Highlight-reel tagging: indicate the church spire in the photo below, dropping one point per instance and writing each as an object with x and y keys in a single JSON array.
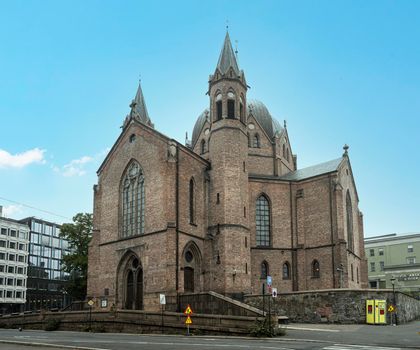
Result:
[
  {"x": 227, "y": 58},
  {"x": 139, "y": 109}
]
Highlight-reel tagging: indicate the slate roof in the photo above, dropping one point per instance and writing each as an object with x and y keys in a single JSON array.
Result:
[
  {"x": 315, "y": 170},
  {"x": 227, "y": 57},
  {"x": 140, "y": 109},
  {"x": 260, "y": 112}
]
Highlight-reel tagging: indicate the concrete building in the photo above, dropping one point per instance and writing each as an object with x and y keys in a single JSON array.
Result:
[
  {"x": 13, "y": 264},
  {"x": 394, "y": 256},
  {"x": 46, "y": 280},
  {"x": 223, "y": 211}
]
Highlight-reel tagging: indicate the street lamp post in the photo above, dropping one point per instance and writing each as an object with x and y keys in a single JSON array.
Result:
[{"x": 394, "y": 323}]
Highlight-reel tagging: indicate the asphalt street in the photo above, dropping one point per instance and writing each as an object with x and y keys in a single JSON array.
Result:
[{"x": 305, "y": 337}]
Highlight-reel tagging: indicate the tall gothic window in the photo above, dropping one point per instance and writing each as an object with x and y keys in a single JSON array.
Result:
[
  {"x": 219, "y": 110},
  {"x": 262, "y": 216},
  {"x": 192, "y": 212},
  {"x": 231, "y": 109},
  {"x": 349, "y": 211},
  {"x": 132, "y": 198},
  {"x": 286, "y": 271},
  {"x": 315, "y": 269}
]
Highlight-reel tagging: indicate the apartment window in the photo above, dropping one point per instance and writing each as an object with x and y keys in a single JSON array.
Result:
[
  {"x": 410, "y": 248},
  {"x": 2, "y": 256},
  {"x": 2, "y": 268},
  {"x": 10, "y": 281},
  {"x": 19, "y": 283},
  {"x": 411, "y": 260},
  {"x": 3, "y": 244},
  {"x": 11, "y": 269},
  {"x": 12, "y": 257},
  {"x": 12, "y": 233},
  {"x": 9, "y": 294},
  {"x": 21, "y": 246},
  {"x": 3, "y": 231},
  {"x": 18, "y": 295},
  {"x": 1, "y": 280},
  {"x": 21, "y": 258},
  {"x": 372, "y": 252},
  {"x": 20, "y": 270},
  {"x": 372, "y": 267},
  {"x": 12, "y": 245},
  {"x": 381, "y": 251},
  {"x": 22, "y": 234},
  {"x": 382, "y": 265}
]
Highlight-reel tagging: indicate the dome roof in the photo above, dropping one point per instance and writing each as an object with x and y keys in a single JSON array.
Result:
[
  {"x": 203, "y": 117},
  {"x": 261, "y": 114},
  {"x": 255, "y": 108}
]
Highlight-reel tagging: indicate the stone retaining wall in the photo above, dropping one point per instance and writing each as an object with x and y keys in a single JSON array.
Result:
[
  {"x": 132, "y": 322},
  {"x": 335, "y": 305}
]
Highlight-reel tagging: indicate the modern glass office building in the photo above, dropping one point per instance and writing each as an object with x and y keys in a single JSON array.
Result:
[
  {"x": 46, "y": 280},
  {"x": 394, "y": 258}
]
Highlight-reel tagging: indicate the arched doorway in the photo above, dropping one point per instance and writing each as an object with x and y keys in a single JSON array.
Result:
[
  {"x": 192, "y": 268},
  {"x": 133, "y": 285},
  {"x": 188, "y": 279}
]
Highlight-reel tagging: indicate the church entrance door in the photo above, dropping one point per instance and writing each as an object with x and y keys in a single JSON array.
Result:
[
  {"x": 188, "y": 279},
  {"x": 134, "y": 286}
]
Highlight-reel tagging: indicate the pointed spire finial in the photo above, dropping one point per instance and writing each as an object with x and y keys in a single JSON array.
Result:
[
  {"x": 346, "y": 150},
  {"x": 285, "y": 123},
  {"x": 227, "y": 25},
  {"x": 138, "y": 107},
  {"x": 227, "y": 58}
]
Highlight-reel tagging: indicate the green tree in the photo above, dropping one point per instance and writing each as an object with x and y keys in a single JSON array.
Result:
[{"x": 78, "y": 234}]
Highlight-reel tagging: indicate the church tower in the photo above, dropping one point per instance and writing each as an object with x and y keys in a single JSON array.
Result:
[{"x": 228, "y": 152}]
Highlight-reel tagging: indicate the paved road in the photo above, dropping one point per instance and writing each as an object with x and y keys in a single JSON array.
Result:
[{"x": 299, "y": 337}]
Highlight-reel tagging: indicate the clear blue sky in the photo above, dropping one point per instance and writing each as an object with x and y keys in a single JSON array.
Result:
[{"x": 338, "y": 71}]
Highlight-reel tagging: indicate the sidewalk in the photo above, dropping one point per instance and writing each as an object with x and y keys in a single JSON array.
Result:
[{"x": 405, "y": 335}]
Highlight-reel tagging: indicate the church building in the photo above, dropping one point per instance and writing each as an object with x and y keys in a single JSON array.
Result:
[{"x": 223, "y": 211}]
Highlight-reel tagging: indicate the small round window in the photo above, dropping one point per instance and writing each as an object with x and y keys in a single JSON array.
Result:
[{"x": 188, "y": 256}]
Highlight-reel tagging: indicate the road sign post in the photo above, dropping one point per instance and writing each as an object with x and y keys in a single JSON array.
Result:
[
  {"x": 162, "y": 302},
  {"x": 188, "y": 312},
  {"x": 90, "y": 303},
  {"x": 269, "y": 283}
]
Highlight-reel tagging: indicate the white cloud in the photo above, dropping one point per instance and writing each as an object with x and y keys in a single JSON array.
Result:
[
  {"x": 10, "y": 210},
  {"x": 74, "y": 168},
  {"x": 20, "y": 160}
]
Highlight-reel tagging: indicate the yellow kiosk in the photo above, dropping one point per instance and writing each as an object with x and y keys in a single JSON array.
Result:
[{"x": 376, "y": 311}]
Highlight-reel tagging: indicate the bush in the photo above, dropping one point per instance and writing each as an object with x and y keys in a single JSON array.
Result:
[
  {"x": 52, "y": 324},
  {"x": 261, "y": 329},
  {"x": 98, "y": 328}
]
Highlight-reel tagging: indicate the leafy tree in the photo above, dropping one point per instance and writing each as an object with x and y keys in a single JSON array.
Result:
[{"x": 78, "y": 234}]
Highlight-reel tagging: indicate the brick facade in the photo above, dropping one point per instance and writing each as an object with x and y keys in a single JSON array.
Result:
[{"x": 207, "y": 241}]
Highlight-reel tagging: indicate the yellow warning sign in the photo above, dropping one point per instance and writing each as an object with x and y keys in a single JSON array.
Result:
[
  {"x": 91, "y": 302},
  {"x": 391, "y": 308},
  {"x": 188, "y": 310}
]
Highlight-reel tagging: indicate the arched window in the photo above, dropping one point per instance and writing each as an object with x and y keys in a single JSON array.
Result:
[
  {"x": 192, "y": 200},
  {"x": 349, "y": 212},
  {"x": 231, "y": 109},
  {"x": 315, "y": 269},
  {"x": 287, "y": 154},
  {"x": 264, "y": 269},
  {"x": 262, "y": 217},
  {"x": 352, "y": 273},
  {"x": 286, "y": 271},
  {"x": 203, "y": 146},
  {"x": 284, "y": 151},
  {"x": 132, "y": 200},
  {"x": 256, "y": 141},
  {"x": 241, "y": 109},
  {"x": 357, "y": 274}
]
